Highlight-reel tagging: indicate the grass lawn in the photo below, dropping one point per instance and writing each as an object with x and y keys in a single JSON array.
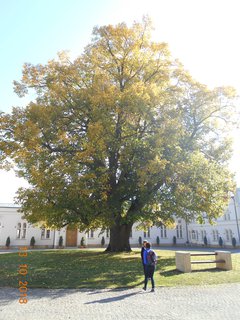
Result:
[{"x": 95, "y": 269}]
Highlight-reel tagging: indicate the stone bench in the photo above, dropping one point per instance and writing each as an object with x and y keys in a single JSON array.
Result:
[{"x": 222, "y": 259}]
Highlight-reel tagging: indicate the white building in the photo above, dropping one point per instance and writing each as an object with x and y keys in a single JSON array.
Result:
[{"x": 20, "y": 231}]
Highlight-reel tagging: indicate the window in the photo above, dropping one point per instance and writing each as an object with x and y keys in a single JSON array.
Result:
[
  {"x": 228, "y": 233},
  {"x": 130, "y": 234},
  {"x": 45, "y": 233},
  {"x": 215, "y": 235},
  {"x": 227, "y": 216},
  {"x": 179, "y": 231},
  {"x": 203, "y": 234},
  {"x": 48, "y": 234},
  {"x": 163, "y": 232},
  {"x": 18, "y": 230},
  {"x": 21, "y": 230},
  {"x": 146, "y": 234},
  {"x": 90, "y": 233},
  {"x": 24, "y": 230},
  {"x": 193, "y": 235},
  {"x": 42, "y": 233}
]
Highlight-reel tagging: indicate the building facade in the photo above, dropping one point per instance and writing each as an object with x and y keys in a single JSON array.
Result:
[{"x": 20, "y": 231}]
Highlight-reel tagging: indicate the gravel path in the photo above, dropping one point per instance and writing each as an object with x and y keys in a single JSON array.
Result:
[{"x": 195, "y": 303}]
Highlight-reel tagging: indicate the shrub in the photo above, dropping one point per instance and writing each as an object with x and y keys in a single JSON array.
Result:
[
  {"x": 205, "y": 240},
  {"x": 174, "y": 240},
  {"x": 103, "y": 241},
  {"x": 220, "y": 241},
  {"x": 140, "y": 241},
  {"x": 8, "y": 242},
  {"x": 60, "y": 241},
  {"x": 82, "y": 243},
  {"x": 32, "y": 242},
  {"x": 158, "y": 240},
  {"x": 234, "y": 242}
]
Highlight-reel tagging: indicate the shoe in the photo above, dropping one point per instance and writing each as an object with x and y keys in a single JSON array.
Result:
[
  {"x": 144, "y": 288},
  {"x": 152, "y": 290}
]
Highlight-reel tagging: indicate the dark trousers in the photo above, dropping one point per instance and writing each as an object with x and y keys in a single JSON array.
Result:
[
  {"x": 149, "y": 272},
  {"x": 144, "y": 269}
]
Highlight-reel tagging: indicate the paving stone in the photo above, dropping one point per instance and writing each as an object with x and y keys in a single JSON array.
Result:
[{"x": 187, "y": 303}]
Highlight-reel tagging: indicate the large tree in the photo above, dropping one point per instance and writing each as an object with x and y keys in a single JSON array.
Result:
[{"x": 120, "y": 135}]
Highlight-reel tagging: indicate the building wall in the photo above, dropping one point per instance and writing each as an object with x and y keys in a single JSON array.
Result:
[{"x": 226, "y": 227}]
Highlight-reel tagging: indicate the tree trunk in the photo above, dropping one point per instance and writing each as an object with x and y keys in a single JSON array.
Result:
[{"x": 119, "y": 238}]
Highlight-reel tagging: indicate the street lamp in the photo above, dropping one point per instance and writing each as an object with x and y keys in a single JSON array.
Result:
[{"x": 235, "y": 209}]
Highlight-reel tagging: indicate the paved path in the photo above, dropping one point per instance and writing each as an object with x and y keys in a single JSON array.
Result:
[{"x": 221, "y": 302}]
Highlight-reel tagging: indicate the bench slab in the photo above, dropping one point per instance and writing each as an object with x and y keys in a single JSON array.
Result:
[{"x": 208, "y": 261}]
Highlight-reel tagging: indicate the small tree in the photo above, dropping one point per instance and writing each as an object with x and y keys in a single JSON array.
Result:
[
  {"x": 158, "y": 240},
  {"x": 140, "y": 241},
  {"x": 220, "y": 241},
  {"x": 174, "y": 240},
  {"x": 8, "y": 242},
  {"x": 234, "y": 242},
  {"x": 82, "y": 243},
  {"x": 103, "y": 241},
  {"x": 205, "y": 241},
  {"x": 60, "y": 242},
  {"x": 32, "y": 242}
]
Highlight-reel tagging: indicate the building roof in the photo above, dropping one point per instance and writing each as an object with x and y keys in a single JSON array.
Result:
[{"x": 9, "y": 205}]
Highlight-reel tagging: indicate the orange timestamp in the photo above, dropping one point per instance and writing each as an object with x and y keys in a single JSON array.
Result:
[{"x": 23, "y": 271}]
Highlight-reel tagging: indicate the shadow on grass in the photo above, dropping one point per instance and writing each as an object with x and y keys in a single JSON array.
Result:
[
  {"x": 208, "y": 270},
  {"x": 175, "y": 272},
  {"x": 74, "y": 270}
]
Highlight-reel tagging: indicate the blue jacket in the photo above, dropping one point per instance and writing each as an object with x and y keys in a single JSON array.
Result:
[{"x": 145, "y": 254}]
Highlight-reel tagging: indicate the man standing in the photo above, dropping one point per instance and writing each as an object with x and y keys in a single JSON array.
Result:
[
  {"x": 150, "y": 261},
  {"x": 142, "y": 254}
]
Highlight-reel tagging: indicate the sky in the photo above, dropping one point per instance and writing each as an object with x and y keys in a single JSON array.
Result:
[{"x": 202, "y": 34}]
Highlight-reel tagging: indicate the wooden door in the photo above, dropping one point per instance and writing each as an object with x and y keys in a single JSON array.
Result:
[{"x": 71, "y": 238}]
